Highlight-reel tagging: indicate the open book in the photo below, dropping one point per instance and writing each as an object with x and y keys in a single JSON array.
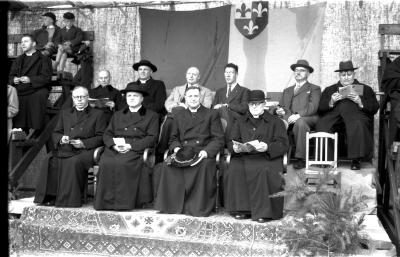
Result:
[
  {"x": 99, "y": 103},
  {"x": 248, "y": 146},
  {"x": 354, "y": 88}
]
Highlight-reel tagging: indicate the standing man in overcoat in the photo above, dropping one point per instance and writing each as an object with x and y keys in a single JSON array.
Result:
[{"x": 356, "y": 112}]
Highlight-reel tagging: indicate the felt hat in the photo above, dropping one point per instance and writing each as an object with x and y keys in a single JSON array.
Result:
[
  {"x": 184, "y": 157},
  {"x": 135, "y": 87},
  {"x": 302, "y": 63},
  {"x": 256, "y": 96},
  {"x": 147, "y": 63},
  {"x": 51, "y": 15},
  {"x": 346, "y": 66},
  {"x": 69, "y": 16}
]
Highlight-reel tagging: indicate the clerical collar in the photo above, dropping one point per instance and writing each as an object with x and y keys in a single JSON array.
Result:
[
  {"x": 194, "y": 110},
  {"x": 31, "y": 53},
  {"x": 81, "y": 110},
  {"x": 135, "y": 109},
  {"x": 50, "y": 27},
  {"x": 257, "y": 116},
  {"x": 143, "y": 81}
]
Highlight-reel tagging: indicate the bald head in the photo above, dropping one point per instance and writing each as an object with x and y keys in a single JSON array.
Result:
[
  {"x": 104, "y": 78},
  {"x": 192, "y": 76}
]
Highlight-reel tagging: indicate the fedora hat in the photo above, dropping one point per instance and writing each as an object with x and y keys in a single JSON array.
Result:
[
  {"x": 51, "y": 15},
  {"x": 147, "y": 63},
  {"x": 256, "y": 96},
  {"x": 134, "y": 87},
  {"x": 302, "y": 63},
  {"x": 184, "y": 157},
  {"x": 345, "y": 66}
]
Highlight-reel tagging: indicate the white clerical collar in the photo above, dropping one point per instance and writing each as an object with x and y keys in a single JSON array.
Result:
[
  {"x": 194, "y": 110},
  {"x": 82, "y": 108},
  {"x": 135, "y": 109},
  {"x": 257, "y": 116},
  {"x": 301, "y": 83},
  {"x": 143, "y": 81}
]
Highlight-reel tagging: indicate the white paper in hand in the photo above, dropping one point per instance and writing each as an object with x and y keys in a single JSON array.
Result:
[{"x": 119, "y": 141}]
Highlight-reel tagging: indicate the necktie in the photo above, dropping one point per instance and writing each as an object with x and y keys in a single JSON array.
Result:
[
  {"x": 229, "y": 91},
  {"x": 296, "y": 88}
]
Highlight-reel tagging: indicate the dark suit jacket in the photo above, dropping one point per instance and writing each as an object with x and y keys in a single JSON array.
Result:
[
  {"x": 74, "y": 35},
  {"x": 89, "y": 128},
  {"x": 204, "y": 132},
  {"x": 304, "y": 102},
  {"x": 39, "y": 73},
  {"x": 157, "y": 95},
  {"x": 109, "y": 92},
  {"x": 237, "y": 100},
  {"x": 42, "y": 38}
]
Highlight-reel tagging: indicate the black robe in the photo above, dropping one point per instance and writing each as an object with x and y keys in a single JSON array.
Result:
[
  {"x": 65, "y": 176},
  {"x": 32, "y": 96},
  {"x": 123, "y": 180},
  {"x": 112, "y": 94},
  {"x": 357, "y": 122},
  {"x": 191, "y": 190},
  {"x": 252, "y": 177}
]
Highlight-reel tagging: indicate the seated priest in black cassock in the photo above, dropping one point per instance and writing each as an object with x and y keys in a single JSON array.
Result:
[
  {"x": 354, "y": 111},
  {"x": 188, "y": 184},
  {"x": 79, "y": 131},
  {"x": 123, "y": 179},
  {"x": 255, "y": 172}
]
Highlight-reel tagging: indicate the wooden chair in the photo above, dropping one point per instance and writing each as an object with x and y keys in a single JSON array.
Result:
[{"x": 321, "y": 162}]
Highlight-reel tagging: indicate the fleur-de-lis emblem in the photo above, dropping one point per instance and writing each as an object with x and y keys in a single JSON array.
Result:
[
  {"x": 260, "y": 10},
  {"x": 243, "y": 11},
  {"x": 251, "y": 27}
]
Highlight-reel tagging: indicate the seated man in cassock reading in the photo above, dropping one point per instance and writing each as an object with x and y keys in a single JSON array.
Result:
[
  {"x": 123, "y": 179},
  {"x": 255, "y": 168},
  {"x": 351, "y": 104},
  {"x": 188, "y": 184},
  {"x": 79, "y": 131}
]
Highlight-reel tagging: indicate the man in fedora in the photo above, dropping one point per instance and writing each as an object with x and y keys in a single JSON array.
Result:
[
  {"x": 298, "y": 106},
  {"x": 354, "y": 111},
  {"x": 189, "y": 187},
  {"x": 156, "y": 92},
  {"x": 255, "y": 174}
]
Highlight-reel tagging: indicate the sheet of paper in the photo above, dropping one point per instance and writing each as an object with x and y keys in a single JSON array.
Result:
[{"x": 119, "y": 140}]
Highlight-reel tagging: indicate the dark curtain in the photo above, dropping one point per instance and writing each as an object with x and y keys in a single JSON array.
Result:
[{"x": 177, "y": 40}]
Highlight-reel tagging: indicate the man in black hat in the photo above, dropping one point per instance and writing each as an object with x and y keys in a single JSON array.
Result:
[
  {"x": 255, "y": 169},
  {"x": 231, "y": 100},
  {"x": 71, "y": 37},
  {"x": 354, "y": 110},
  {"x": 190, "y": 187},
  {"x": 49, "y": 36},
  {"x": 298, "y": 106},
  {"x": 123, "y": 179}
]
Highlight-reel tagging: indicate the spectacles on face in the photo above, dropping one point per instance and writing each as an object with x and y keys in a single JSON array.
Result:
[
  {"x": 300, "y": 70},
  {"x": 348, "y": 73},
  {"x": 80, "y": 96},
  {"x": 255, "y": 104}
]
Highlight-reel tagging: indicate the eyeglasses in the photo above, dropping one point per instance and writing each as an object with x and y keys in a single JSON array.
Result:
[
  {"x": 80, "y": 96},
  {"x": 348, "y": 73},
  {"x": 255, "y": 103},
  {"x": 300, "y": 70}
]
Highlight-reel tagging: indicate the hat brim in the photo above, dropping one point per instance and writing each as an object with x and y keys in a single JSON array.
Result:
[
  {"x": 150, "y": 65},
  {"x": 309, "y": 68},
  {"x": 353, "y": 69},
  {"x": 144, "y": 93},
  {"x": 181, "y": 164}
]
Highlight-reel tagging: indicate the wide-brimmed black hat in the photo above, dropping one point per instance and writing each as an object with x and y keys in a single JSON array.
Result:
[
  {"x": 134, "y": 87},
  {"x": 185, "y": 157},
  {"x": 345, "y": 66},
  {"x": 147, "y": 63},
  {"x": 69, "y": 16},
  {"x": 302, "y": 63},
  {"x": 256, "y": 96},
  {"x": 51, "y": 15}
]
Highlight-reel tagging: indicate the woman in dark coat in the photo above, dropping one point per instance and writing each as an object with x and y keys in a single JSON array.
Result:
[
  {"x": 255, "y": 175},
  {"x": 123, "y": 179}
]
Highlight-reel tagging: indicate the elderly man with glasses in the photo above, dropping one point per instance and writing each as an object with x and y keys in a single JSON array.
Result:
[{"x": 353, "y": 110}]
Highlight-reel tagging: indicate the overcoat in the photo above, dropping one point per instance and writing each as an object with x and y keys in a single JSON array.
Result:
[
  {"x": 32, "y": 96},
  {"x": 112, "y": 94},
  {"x": 42, "y": 38},
  {"x": 123, "y": 180},
  {"x": 253, "y": 177},
  {"x": 156, "y": 97},
  {"x": 72, "y": 163},
  {"x": 191, "y": 190},
  {"x": 358, "y": 122}
]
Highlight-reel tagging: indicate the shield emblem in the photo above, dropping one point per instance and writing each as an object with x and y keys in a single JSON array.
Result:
[{"x": 251, "y": 20}]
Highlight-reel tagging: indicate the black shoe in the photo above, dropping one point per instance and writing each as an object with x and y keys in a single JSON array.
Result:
[
  {"x": 300, "y": 164},
  {"x": 241, "y": 216},
  {"x": 49, "y": 203},
  {"x": 263, "y": 220},
  {"x": 355, "y": 164}
]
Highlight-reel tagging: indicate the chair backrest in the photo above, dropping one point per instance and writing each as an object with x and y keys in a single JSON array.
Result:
[{"x": 321, "y": 154}]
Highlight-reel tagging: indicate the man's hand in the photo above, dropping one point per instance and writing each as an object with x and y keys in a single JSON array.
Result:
[
  {"x": 16, "y": 80},
  {"x": 355, "y": 98},
  {"x": 203, "y": 154},
  {"x": 176, "y": 149},
  {"x": 262, "y": 147},
  {"x": 77, "y": 143},
  {"x": 335, "y": 97},
  {"x": 110, "y": 104},
  {"x": 280, "y": 111},
  {"x": 293, "y": 118},
  {"x": 122, "y": 148},
  {"x": 25, "y": 79},
  {"x": 64, "y": 140},
  {"x": 217, "y": 106}
]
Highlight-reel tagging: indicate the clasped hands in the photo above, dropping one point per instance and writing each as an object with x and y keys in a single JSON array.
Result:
[
  {"x": 217, "y": 106},
  {"x": 23, "y": 79},
  {"x": 122, "y": 148},
  {"x": 352, "y": 96},
  {"x": 77, "y": 143}
]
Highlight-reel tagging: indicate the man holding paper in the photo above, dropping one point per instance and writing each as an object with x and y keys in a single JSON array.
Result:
[
  {"x": 123, "y": 179},
  {"x": 255, "y": 172},
  {"x": 352, "y": 104}
]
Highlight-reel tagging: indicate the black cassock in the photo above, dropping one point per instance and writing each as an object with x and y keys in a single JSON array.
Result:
[
  {"x": 123, "y": 180},
  {"x": 252, "y": 177},
  {"x": 64, "y": 171},
  {"x": 357, "y": 122},
  {"x": 191, "y": 190}
]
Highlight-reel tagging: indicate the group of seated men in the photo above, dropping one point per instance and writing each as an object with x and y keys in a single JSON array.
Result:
[{"x": 197, "y": 125}]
